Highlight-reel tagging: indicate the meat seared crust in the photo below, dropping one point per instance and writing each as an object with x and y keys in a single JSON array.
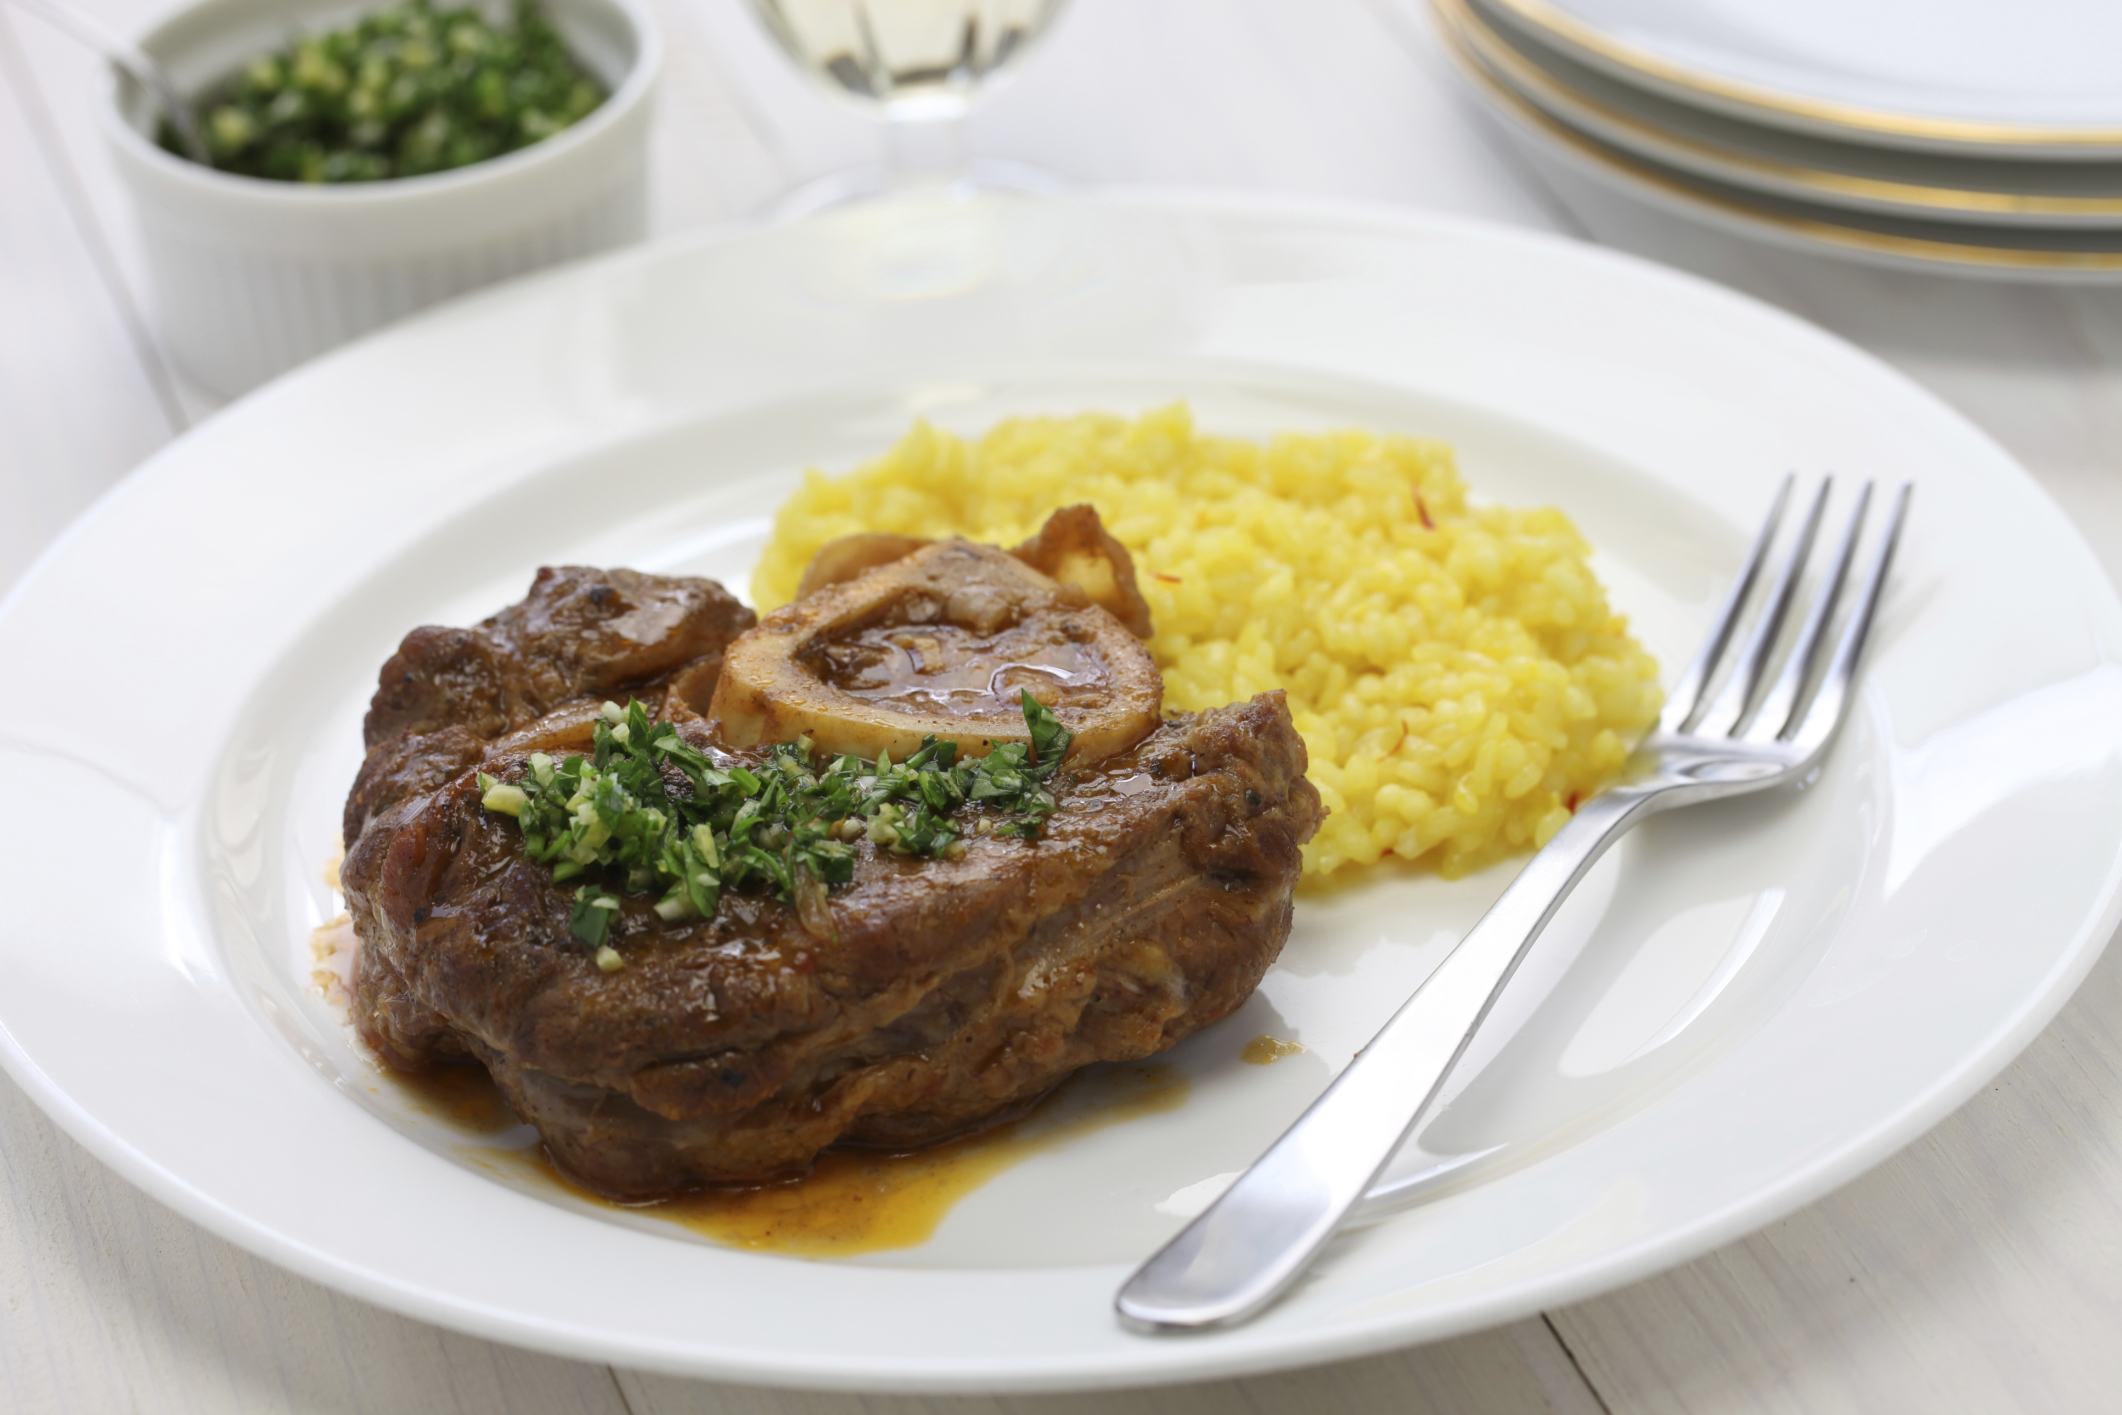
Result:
[
  {"x": 581, "y": 635},
  {"x": 733, "y": 1050}
]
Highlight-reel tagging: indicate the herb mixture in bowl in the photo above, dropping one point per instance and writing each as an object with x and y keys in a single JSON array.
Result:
[{"x": 409, "y": 90}]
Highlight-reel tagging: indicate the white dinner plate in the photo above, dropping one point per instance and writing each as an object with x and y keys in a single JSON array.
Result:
[
  {"x": 1747, "y": 1005},
  {"x": 2025, "y": 78},
  {"x": 1922, "y": 186}
]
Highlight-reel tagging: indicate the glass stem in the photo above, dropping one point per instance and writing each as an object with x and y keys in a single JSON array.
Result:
[{"x": 925, "y": 151}]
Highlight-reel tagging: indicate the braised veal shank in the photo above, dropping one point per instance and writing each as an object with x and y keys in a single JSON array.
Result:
[{"x": 733, "y": 1049}]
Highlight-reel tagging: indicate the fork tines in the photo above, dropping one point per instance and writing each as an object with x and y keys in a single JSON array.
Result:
[{"x": 1720, "y": 695}]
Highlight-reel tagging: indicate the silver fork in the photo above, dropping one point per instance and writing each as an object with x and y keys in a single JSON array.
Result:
[{"x": 1720, "y": 735}]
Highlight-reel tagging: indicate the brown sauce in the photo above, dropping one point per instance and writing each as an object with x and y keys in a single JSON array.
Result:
[
  {"x": 943, "y": 668},
  {"x": 854, "y": 1201},
  {"x": 460, "y": 1093},
  {"x": 1264, "y": 1050}
]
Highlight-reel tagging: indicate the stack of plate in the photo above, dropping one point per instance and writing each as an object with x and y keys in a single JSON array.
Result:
[{"x": 1963, "y": 134}]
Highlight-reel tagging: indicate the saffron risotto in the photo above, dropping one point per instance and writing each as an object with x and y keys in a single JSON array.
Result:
[{"x": 1457, "y": 674}]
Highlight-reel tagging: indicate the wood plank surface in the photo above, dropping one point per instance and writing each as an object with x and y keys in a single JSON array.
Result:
[
  {"x": 79, "y": 395},
  {"x": 1980, "y": 1270},
  {"x": 1517, "y": 1370}
]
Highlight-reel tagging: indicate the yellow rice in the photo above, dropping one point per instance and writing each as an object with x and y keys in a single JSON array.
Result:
[{"x": 1456, "y": 672}]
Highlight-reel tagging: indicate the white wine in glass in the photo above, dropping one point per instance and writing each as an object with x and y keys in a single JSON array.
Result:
[{"x": 914, "y": 64}]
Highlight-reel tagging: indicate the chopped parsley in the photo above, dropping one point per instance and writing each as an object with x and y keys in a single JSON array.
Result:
[
  {"x": 649, "y": 812},
  {"x": 407, "y": 90}
]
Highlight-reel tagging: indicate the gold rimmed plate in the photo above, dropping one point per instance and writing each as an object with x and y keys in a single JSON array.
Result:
[
  {"x": 1778, "y": 162},
  {"x": 1558, "y": 149},
  {"x": 2033, "y": 79}
]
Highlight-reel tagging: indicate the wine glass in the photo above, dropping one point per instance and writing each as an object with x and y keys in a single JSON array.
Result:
[{"x": 916, "y": 66}]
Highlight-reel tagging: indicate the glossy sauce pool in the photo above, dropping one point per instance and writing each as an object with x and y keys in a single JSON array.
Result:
[
  {"x": 854, "y": 1201},
  {"x": 942, "y": 668}
]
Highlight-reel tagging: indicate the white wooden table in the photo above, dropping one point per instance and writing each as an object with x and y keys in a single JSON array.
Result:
[{"x": 1979, "y": 1270}]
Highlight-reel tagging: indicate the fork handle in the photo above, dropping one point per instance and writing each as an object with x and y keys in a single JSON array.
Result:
[{"x": 1254, "y": 1241}]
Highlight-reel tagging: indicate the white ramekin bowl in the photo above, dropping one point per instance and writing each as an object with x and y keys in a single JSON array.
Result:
[{"x": 251, "y": 277}]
